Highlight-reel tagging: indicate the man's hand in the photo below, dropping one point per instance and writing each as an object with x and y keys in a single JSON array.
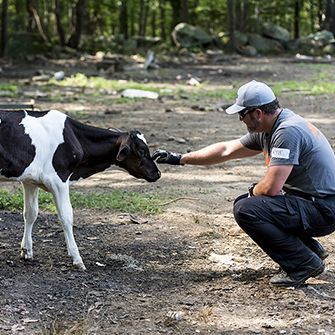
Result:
[
  {"x": 166, "y": 157},
  {"x": 251, "y": 190}
]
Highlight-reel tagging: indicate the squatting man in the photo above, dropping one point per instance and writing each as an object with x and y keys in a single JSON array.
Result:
[{"x": 295, "y": 200}]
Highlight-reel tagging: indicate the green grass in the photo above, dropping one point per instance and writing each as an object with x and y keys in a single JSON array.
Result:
[
  {"x": 130, "y": 202},
  {"x": 10, "y": 88},
  {"x": 80, "y": 80},
  {"x": 306, "y": 87}
]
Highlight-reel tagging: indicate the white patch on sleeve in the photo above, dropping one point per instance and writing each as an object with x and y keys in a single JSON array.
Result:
[
  {"x": 141, "y": 137},
  {"x": 280, "y": 153}
]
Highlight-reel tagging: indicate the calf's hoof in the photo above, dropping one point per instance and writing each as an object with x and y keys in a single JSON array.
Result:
[
  {"x": 25, "y": 255},
  {"x": 80, "y": 266}
]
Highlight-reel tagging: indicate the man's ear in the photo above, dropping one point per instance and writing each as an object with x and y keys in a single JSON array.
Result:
[{"x": 123, "y": 153}]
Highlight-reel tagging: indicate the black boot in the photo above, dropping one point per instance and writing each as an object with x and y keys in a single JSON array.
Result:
[
  {"x": 316, "y": 247},
  {"x": 297, "y": 278}
]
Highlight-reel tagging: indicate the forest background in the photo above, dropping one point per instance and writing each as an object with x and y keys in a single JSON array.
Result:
[{"x": 123, "y": 26}]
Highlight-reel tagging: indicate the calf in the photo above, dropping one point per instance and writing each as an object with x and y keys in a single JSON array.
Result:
[{"x": 50, "y": 150}]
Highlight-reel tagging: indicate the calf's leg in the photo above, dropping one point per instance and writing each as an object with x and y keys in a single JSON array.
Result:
[
  {"x": 65, "y": 213},
  {"x": 30, "y": 212}
]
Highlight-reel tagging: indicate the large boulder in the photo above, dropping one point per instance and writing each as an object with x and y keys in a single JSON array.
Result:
[
  {"x": 275, "y": 32},
  {"x": 241, "y": 39},
  {"x": 264, "y": 45},
  {"x": 246, "y": 50},
  {"x": 187, "y": 36},
  {"x": 314, "y": 44}
]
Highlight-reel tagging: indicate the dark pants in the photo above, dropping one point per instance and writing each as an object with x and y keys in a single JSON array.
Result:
[{"x": 283, "y": 226}]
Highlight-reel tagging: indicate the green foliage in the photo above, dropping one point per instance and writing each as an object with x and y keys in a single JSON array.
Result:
[
  {"x": 115, "y": 200},
  {"x": 105, "y": 26}
]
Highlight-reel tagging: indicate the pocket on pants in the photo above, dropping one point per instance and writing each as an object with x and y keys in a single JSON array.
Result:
[{"x": 326, "y": 207}]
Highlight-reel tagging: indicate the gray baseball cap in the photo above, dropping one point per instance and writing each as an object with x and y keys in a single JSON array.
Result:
[{"x": 251, "y": 94}]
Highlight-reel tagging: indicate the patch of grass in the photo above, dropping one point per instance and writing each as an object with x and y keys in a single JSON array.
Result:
[
  {"x": 116, "y": 200},
  {"x": 81, "y": 80},
  {"x": 306, "y": 87},
  {"x": 123, "y": 201},
  {"x": 205, "y": 91},
  {"x": 10, "y": 89}
]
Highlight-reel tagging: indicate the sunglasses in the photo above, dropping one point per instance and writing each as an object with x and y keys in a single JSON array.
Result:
[{"x": 245, "y": 111}]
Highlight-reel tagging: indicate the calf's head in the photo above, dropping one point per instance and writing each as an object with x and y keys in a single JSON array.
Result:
[{"x": 134, "y": 156}]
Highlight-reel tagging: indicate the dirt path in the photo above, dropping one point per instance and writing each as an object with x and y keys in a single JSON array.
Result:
[{"x": 189, "y": 270}]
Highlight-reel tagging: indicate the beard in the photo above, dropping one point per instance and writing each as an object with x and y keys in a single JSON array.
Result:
[{"x": 254, "y": 125}]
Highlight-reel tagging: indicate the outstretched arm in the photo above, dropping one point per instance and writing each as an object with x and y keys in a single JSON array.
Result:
[
  {"x": 218, "y": 153},
  {"x": 212, "y": 154}
]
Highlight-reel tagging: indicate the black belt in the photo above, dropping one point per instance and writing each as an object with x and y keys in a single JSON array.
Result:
[
  {"x": 308, "y": 196},
  {"x": 302, "y": 195}
]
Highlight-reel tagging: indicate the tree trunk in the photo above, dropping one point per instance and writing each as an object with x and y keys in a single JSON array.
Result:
[
  {"x": 176, "y": 9},
  {"x": 184, "y": 15},
  {"x": 140, "y": 18},
  {"x": 123, "y": 19},
  {"x": 4, "y": 13},
  {"x": 145, "y": 17},
  {"x": 311, "y": 15},
  {"x": 232, "y": 23},
  {"x": 153, "y": 22},
  {"x": 330, "y": 16},
  {"x": 132, "y": 21},
  {"x": 243, "y": 26},
  {"x": 296, "y": 33},
  {"x": 78, "y": 26},
  {"x": 58, "y": 15},
  {"x": 162, "y": 19},
  {"x": 36, "y": 18},
  {"x": 320, "y": 13}
]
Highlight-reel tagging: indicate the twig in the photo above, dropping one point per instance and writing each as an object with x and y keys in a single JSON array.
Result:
[
  {"x": 177, "y": 199},
  {"x": 322, "y": 294}
]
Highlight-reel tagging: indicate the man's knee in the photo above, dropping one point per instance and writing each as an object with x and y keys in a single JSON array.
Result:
[{"x": 245, "y": 212}]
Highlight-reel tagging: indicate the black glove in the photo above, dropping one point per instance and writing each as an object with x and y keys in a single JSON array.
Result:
[
  {"x": 251, "y": 190},
  {"x": 166, "y": 157}
]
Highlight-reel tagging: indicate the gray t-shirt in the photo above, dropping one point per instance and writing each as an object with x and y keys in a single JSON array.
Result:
[{"x": 295, "y": 141}]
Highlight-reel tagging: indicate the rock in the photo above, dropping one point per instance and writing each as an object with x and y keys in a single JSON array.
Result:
[
  {"x": 193, "y": 82},
  {"x": 150, "y": 62},
  {"x": 329, "y": 49},
  {"x": 187, "y": 36},
  {"x": 133, "y": 93},
  {"x": 247, "y": 50},
  {"x": 275, "y": 32},
  {"x": 240, "y": 38},
  {"x": 60, "y": 75},
  {"x": 264, "y": 45},
  {"x": 313, "y": 44}
]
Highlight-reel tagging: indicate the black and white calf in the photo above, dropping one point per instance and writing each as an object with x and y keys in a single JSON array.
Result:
[{"x": 50, "y": 150}]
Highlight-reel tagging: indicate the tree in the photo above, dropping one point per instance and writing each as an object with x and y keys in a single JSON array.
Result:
[
  {"x": 232, "y": 23},
  {"x": 184, "y": 13},
  {"x": 32, "y": 10},
  {"x": 297, "y": 8},
  {"x": 162, "y": 23},
  {"x": 59, "y": 25},
  {"x": 123, "y": 18},
  {"x": 330, "y": 16},
  {"x": 4, "y": 11},
  {"x": 78, "y": 17}
]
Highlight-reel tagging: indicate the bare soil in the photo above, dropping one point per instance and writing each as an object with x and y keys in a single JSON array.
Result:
[{"x": 189, "y": 270}]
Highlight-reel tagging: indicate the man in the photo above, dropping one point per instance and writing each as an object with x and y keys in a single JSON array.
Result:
[{"x": 295, "y": 200}]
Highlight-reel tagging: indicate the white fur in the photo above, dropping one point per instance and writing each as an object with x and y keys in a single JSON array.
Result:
[
  {"x": 46, "y": 133},
  {"x": 142, "y": 138}
]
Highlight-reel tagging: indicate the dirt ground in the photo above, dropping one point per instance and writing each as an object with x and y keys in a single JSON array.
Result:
[{"x": 189, "y": 270}]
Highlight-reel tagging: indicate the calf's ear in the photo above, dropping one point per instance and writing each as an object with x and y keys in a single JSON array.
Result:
[{"x": 123, "y": 153}]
